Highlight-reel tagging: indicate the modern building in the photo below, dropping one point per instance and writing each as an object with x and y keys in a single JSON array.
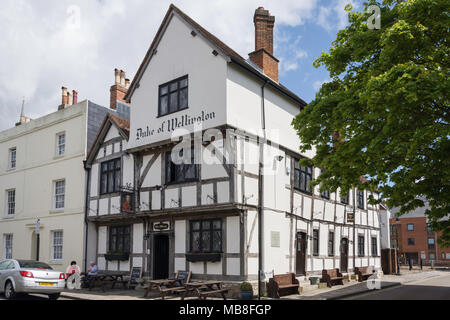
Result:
[
  {"x": 414, "y": 240},
  {"x": 42, "y": 177},
  {"x": 206, "y": 177}
]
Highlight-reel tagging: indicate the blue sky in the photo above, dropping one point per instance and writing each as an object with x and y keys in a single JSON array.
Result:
[{"x": 47, "y": 44}]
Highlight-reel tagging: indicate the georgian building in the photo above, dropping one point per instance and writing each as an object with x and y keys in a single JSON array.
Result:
[
  {"x": 42, "y": 177},
  {"x": 205, "y": 176}
]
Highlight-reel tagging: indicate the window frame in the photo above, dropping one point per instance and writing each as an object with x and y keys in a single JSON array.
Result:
[
  {"x": 11, "y": 161},
  {"x": 374, "y": 246},
  {"x": 169, "y": 92},
  {"x": 360, "y": 203},
  {"x": 304, "y": 170},
  {"x": 315, "y": 240},
  {"x": 122, "y": 232},
  {"x": 345, "y": 200},
  {"x": 5, "y": 247},
  {"x": 410, "y": 224},
  {"x": 171, "y": 169},
  {"x": 54, "y": 245},
  {"x": 116, "y": 173},
  {"x": 331, "y": 243},
  {"x": 411, "y": 243},
  {"x": 55, "y": 195},
  {"x": 211, "y": 230},
  {"x": 58, "y": 144},
  {"x": 361, "y": 245},
  {"x": 8, "y": 208}
]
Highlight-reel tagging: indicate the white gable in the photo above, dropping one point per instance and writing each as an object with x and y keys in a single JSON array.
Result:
[
  {"x": 179, "y": 54},
  {"x": 113, "y": 132}
]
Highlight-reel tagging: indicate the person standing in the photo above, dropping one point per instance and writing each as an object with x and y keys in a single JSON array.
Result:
[{"x": 410, "y": 264}]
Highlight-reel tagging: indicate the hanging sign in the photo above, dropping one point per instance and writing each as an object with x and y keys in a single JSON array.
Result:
[{"x": 350, "y": 217}]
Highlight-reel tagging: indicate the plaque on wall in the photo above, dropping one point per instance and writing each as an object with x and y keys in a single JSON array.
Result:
[{"x": 350, "y": 217}]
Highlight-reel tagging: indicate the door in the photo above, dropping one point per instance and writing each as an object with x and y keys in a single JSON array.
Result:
[
  {"x": 344, "y": 255},
  {"x": 300, "y": 263},
  {"x": 161, "y": 257}
]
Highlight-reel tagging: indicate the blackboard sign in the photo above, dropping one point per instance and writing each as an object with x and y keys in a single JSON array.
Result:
[
  {"x": 183, "y": 276},
  {"x": 135, "y": 274}
]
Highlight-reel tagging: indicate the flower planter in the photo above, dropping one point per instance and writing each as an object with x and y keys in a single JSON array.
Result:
[
  {"x": 246, "y": 295},
  {"x": 117, "y": 257}
]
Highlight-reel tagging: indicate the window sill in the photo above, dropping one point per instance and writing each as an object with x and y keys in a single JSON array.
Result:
[
  {"x": 11, "y": 169},
  {"x": 9, "y": 216},
  {"x": 166, "y": 114},
  {"x": 57, "y": 157},
  {"x": 55, "y": 211},
  {"x": 200, "y": 257},
  {"x": 56, "y": 262}
]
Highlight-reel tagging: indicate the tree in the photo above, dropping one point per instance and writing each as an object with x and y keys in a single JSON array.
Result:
[{"x": 384, "y": 115}]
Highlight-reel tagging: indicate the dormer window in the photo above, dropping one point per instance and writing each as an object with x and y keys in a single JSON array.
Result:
[{"x": 173, "y": 96}]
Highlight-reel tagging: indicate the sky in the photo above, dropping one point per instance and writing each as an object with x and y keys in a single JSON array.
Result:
[{"x": 48, "y": 44}]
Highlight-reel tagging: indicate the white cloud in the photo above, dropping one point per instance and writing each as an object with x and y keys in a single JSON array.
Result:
[
  {"x": 333, "y": 15},
  {"x": 43, "y": 47},
  {"x": 318, "y": 84}
]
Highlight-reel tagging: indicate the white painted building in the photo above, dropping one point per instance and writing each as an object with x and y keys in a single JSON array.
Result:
[
  {"x": 42, "y": 176},
  {"x": 203, "y": 217}
]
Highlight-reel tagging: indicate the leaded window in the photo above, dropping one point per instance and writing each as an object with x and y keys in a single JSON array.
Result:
[
  {"x": 177, "y": 173},
  {"x": 302, "y": 177},
  {"x": 173, "y": 96},
  {"x": 110, "y": 176},
  {"x": 206, "y": 236},
  {"x": 119, "y": 239}
]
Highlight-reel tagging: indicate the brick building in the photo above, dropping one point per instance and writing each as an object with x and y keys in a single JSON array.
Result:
[{"x": 414, "y": 240}]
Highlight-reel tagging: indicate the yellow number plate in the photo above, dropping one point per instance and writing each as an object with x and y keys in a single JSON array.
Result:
[{"x": 47, "y": 284}]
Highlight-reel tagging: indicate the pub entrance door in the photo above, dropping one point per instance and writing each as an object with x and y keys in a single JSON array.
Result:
[{"x": 161, "y": 256}]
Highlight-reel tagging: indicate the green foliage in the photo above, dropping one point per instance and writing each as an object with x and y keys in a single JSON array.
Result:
[
  {"x": 246, "y": 287},
  {"x": 388, "y": 100}
]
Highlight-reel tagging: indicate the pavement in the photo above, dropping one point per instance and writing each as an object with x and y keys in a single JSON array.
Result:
[{"x": 430, "y": 280}]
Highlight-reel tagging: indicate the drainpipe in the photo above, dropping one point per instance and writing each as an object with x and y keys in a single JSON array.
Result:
[
  {"x": 86, "y": 206},
  {"x": 261, "y": 193},
  {"x": 354, "y": 228}
]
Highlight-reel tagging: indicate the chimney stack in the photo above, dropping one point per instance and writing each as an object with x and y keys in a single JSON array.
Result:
[
  {"x": 263, "y": 54},
  {"x": 119, "y": 89}
]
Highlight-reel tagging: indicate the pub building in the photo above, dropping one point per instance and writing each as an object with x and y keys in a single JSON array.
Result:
[{"x": 243, "y": 203}]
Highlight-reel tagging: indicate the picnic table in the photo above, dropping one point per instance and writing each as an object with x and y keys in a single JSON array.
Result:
[
  {"x": 105, "y": 277},
  {"x": 161, "y": 285},
  {"x": 203, "y": 289}
]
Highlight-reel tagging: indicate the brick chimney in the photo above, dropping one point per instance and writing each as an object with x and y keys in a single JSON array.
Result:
[
  {"x": 263, "y": 54},
  {"x": 119, "y": 89},
  {"x": 75, "y": 96}
]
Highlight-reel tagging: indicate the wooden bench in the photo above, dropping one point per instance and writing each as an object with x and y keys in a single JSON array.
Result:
[
  {"x": 167, "y": 286},
  {"x": 332, "y": 277},
  {"x": 283, "y": 284},
  {"x": 364, "y": 272}
]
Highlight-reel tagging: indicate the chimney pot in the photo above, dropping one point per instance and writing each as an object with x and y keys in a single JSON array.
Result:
[
  {"x": 122, "y": 78},
  {"x": 117, "y": 76},
  {"x": 69, "y": 98},
  {"x": 127, "y": 83},
  {"x": 64, "y": 96},
  {"x": 119, "y": 90},
  {"x": 75, "y": 96}
]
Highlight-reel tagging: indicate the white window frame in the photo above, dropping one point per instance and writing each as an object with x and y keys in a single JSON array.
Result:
[
  {"x": 7, "y": 250},
  {"x": 55, "y": 195},
  {"x": 60, "y": 145},
  {"x": 8, "y": 215},
  {"x": 10, "y": 158},
  {"x": 54, "y": 245}
]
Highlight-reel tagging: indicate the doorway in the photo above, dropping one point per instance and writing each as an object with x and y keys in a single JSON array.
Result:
[
  {"x": 344, "y": 255},
  {"x": 300, "y": 257},
  {"x": 161, "y": 257}
]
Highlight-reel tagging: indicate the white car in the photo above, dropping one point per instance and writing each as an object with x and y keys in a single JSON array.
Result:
[{"x": 27, "y": 276}]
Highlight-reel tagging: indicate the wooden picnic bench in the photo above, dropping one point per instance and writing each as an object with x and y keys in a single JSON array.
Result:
[
  {"x": 165, "y": 286},
  {"x": 283, "y": 284},
  {"x": 364, "y": 273},
  {"x": 332, "y": 277},
  {"x": 204, "y": 289},
  {"x": 105, "y": 277}
]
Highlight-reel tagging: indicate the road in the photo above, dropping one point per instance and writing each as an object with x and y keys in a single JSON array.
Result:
[
  {"x": 35, "y": 297},
  {"x": 437, "y": 288}
]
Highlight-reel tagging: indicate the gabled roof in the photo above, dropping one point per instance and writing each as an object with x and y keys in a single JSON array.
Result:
[
  {"x": 123, "y": 125},
  {"x": 231, "y": 55}
]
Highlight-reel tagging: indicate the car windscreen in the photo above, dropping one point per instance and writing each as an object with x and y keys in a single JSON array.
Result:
[{"x": 34, "y": 265}]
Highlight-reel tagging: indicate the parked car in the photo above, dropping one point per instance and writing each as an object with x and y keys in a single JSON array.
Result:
[{"x": 27, "y": 276}]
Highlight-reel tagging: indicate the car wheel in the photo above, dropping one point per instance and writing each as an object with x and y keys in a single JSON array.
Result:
[
  {"x": 10, "y": 293},
  {"x": 54, "y": 296}
]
